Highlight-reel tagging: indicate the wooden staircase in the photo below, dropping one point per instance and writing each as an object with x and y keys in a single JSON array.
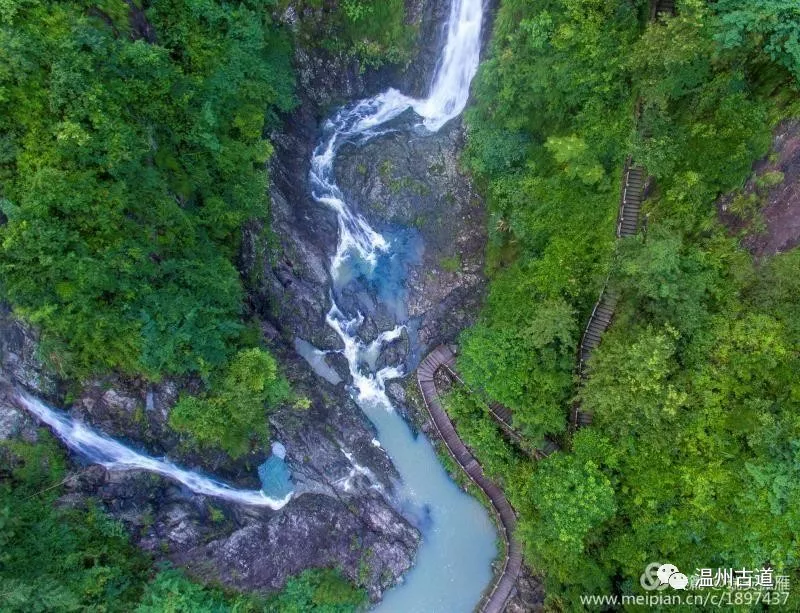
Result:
[
  {"x": 630, "y": 206},
  {"x": 633, "y": 179},
  {"x": 501, "y": 414},
  {"x": 633, "y": 185}
]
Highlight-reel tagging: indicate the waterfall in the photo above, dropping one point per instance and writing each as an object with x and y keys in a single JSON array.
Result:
[
  {"x": 453, "y": 563},
  {"x": 100, "y": 449},
  {"x": 358, "y": 242}
]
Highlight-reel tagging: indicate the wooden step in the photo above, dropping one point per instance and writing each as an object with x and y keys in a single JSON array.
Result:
[{"x": 591, "y": 340}]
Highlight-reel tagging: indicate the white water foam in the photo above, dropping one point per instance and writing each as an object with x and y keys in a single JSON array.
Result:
[{"x": 100, "y": 449}]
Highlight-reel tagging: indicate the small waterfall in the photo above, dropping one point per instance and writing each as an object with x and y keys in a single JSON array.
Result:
[
  {"x": 100, "y": 449},
  {"x": 453, "y": 563}
]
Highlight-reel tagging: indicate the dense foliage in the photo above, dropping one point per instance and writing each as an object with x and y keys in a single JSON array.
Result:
[
  {"x": 373, "y": 33},
  {"x": 693, "y": 453},
  {"x": 66, "y": 560},
  {"x": 75, "y": 558},
  {"x": 131, "y": 151},
  {"x": 232, "y": 413},
  {"x": 324, "y": 591}
]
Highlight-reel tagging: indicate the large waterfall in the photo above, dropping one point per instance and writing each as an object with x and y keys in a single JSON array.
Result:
[{"x": 453, "y": 563}]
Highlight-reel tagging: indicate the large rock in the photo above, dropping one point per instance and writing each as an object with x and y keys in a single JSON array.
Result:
[
  {"x": 404, "y": 180},
  {"x": 368, "y": 541},
  {"x": 252, "y": 548},
  {"x": 19, "y": 355}
]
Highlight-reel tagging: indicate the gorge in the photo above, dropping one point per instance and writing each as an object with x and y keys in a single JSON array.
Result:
[{"x": 451, "y": 570}]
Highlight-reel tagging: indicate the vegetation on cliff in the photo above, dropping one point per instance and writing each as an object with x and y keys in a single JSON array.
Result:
[
  {"x": 55, "y": 556},
  {"x": 374, "y": 33},
  {"x": 692, "y": 456},
  {"x": 131, "y": 155},
  {"x": 231, "y": 414},
  {"x": 132, "y": 151}
]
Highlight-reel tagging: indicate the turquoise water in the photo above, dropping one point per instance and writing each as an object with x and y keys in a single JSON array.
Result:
[{"x": 453, "y": 565}]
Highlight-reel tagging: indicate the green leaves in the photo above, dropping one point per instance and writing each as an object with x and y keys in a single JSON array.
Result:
[
  {"x": 127, "y": 170},
  {"x": 58, "y": 559},
  {"x": 320, "y": 591},
  {"x": 527, "y": 368},
  {"x": 55, "y": 557},
  {"x": 773, "y": 25},
  {"x": 572, "y": 154},
  {"x": 233, "y": 413}
]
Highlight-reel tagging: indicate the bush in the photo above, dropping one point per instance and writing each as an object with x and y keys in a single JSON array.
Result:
[
  {"x": 321, "y": 591},
  {"x": 233, "y": 413}
]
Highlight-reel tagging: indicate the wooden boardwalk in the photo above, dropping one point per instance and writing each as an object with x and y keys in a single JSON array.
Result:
[{"x": 504, "y": 586}]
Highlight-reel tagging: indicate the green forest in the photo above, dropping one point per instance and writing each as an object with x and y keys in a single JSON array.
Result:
[
  {"x": 694, "y": 452},
  {"x": 134, "y": 148}
]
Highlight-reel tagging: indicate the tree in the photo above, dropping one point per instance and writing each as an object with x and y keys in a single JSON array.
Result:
[
  {"x": 233, "y": 413},
  {"x": 771, "y": 25}
]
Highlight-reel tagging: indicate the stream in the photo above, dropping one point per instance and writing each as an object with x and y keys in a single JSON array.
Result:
[{"x": 453, "y": 564}]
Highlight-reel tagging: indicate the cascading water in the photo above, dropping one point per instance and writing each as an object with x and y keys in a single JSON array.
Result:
[
  {"x": 100, "y": 449},
  {"x": 453, "y": 563}
]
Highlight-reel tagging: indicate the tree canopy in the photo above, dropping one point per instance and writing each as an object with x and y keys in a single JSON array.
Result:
[
  {"x": 128, "y": 164},
  {"x": 692, "y": 454}
]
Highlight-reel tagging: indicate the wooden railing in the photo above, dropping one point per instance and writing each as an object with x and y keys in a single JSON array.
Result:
[{"x": 505, "y": 517}]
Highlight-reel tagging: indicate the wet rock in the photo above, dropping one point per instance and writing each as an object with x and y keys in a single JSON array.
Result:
[
  {"x": 396, "y": 392},
  {"x": 397, "y": 181},
  {"x": 317, "y": 531},
  {"x": 254, "y": 548},
  {"x": 19, "y": 360},
  {"x": 12, "y": 421},
  {"x": 342, "y": 514},
  {"x": 529, "y": 596}
]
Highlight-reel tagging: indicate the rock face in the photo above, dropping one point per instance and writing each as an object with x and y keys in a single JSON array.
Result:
[
  {"x": 344, "y": 510},
  {"x": 248, "y": 548},
  {"x": 405, "y": 182},
  {"x": 769, "y": 222}
]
